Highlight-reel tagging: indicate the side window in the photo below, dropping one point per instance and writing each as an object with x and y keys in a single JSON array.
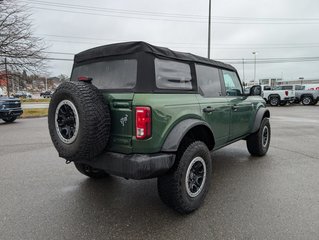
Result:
[
  {"x": 232, "y": 84},
  {"x": 208, "y": 80},
  {"x": 172, "y": 75}
]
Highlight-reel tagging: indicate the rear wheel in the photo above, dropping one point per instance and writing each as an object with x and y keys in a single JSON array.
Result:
[
  {"x": 185, "y": 187},
  {"x": 258, "y": 142},
  {"x": 89, "y": 171},
  {"x": 9, "y": 119},
  {"x": 307, "y": 100},
  {"x": 274, "y": 101}
]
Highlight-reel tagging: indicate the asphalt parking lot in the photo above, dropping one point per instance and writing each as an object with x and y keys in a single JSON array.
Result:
[{"x": 274, "y": 197}]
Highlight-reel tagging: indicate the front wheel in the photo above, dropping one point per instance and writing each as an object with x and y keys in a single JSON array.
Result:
[
  {"x": 90, "y": 172},
  {"x": 9, "y": 119},
  {"x": 258, "y": 142},
  {"x": 185, "y": 187}
]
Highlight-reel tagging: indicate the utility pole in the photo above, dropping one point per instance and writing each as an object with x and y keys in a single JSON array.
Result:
[
  {"x": 255, "y": 53},
  {"x": 7, "y": 78},
  {"x": 46, "y": 84},
  {"x": 243, "y": 70},
  {"x": 209, "y": 27}
]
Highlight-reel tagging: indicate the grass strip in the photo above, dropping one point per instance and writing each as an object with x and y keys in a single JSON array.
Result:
[
  {"x": 35, "y": 112},
  {"x": 40, "y": 100}
]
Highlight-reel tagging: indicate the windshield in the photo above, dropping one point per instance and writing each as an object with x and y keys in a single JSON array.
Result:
[{"x": 111, "y": 74}]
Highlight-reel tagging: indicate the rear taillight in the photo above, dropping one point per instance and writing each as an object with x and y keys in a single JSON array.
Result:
[
  {"x": 143, "y": 122},
  {"x": 85, "y": 79},
  {"x": 286, "y": 92}
]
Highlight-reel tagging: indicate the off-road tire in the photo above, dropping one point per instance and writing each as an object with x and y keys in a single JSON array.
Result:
[
  {"x": 274, "y": 101},
  {"x": 256, "y": 143},
  {"x": 306, "y": 100},
  {"x": 90, "y": 172},
  {"x": 9, "y": 119},
  {"x": 94, "y": 121},
  {"x": 172, "y": 186}
]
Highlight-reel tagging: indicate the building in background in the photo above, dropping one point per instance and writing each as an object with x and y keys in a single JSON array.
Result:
[
  {"x": 270, "y": 81},
  {"x": 3, "y": 83},
  {"x": 301, "y": 81}
]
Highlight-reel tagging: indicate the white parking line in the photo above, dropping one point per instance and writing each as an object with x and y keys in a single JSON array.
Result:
[{"x": 294, "y": 119}]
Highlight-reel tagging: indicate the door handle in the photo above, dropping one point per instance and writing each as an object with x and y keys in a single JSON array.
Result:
[
  {"x": 208, "y": 109},
  {"x": 234, "y": 108}
]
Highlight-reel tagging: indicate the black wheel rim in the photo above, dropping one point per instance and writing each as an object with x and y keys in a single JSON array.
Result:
[
  {"x": 265, "y": 136},
  {"x": 195, "y": 177},
  {"x": 67, "y": 121}
]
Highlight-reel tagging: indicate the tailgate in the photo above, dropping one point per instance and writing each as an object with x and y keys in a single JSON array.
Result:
[
  {"x": 121, "y": 121},
  {"x": 291, "y": 93}
]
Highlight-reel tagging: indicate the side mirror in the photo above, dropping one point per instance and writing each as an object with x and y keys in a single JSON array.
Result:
[{"x": 255, "y": 90}]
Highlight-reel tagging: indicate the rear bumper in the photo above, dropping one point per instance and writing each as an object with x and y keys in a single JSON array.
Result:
[
  {"x": 13, "y": 112},
  {"x": 133, "y": 166}
]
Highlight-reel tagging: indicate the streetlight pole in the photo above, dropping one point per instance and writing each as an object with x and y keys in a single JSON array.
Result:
[
  {"x": 255, "y": 53},
  {"x": 209, "y": 27}
]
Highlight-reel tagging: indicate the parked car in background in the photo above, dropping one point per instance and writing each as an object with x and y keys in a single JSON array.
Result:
[
  {"x": 10, "y": 109},
  {"x": 22, "y": 94},
  {"x": 46, "y": 94},
  {"x": 306, "y": 97},
  {"x": 275, "y": 96}
]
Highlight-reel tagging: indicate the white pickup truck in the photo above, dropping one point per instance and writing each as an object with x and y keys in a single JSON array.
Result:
[
  {"x": 306, "y": 97},
  {"x": 277, "y": 97}
]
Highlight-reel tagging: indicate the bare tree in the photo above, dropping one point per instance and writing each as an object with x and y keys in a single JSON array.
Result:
[{"x": 19, "y": 49}]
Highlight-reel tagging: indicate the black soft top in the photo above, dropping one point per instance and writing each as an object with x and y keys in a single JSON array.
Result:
[{"x": 125, "y": 48}]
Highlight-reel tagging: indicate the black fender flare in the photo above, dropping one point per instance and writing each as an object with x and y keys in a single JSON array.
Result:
[
  {"x": 259, "y": 117},
  {"x": 176, "y": 135}
]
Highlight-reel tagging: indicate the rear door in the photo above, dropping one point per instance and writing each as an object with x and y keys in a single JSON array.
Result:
[
  {"x": 213, "y": 103},
  {"x": 241, "y": 106}
]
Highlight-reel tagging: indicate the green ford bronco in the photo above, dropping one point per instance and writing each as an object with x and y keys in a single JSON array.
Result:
[{"x": 139, "y": 111}]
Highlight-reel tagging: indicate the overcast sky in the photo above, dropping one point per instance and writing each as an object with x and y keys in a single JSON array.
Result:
[{"x": 275, "y": 29}]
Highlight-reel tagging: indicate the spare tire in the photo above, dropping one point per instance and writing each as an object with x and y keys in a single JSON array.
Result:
[{"x": 79, "y": 121}]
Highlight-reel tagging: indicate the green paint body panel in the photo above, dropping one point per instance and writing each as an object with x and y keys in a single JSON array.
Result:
[{"x": 169, "y": 109}]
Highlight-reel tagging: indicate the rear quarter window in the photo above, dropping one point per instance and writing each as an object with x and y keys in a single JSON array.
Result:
[
  {"x": 111, "y": 74},
  {"x": 172, "y": 75}
]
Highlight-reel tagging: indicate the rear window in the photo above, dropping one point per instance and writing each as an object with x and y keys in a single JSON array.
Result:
[
  {"x": 112, "y": 74},
  {"x": 172, "y": 75}
]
